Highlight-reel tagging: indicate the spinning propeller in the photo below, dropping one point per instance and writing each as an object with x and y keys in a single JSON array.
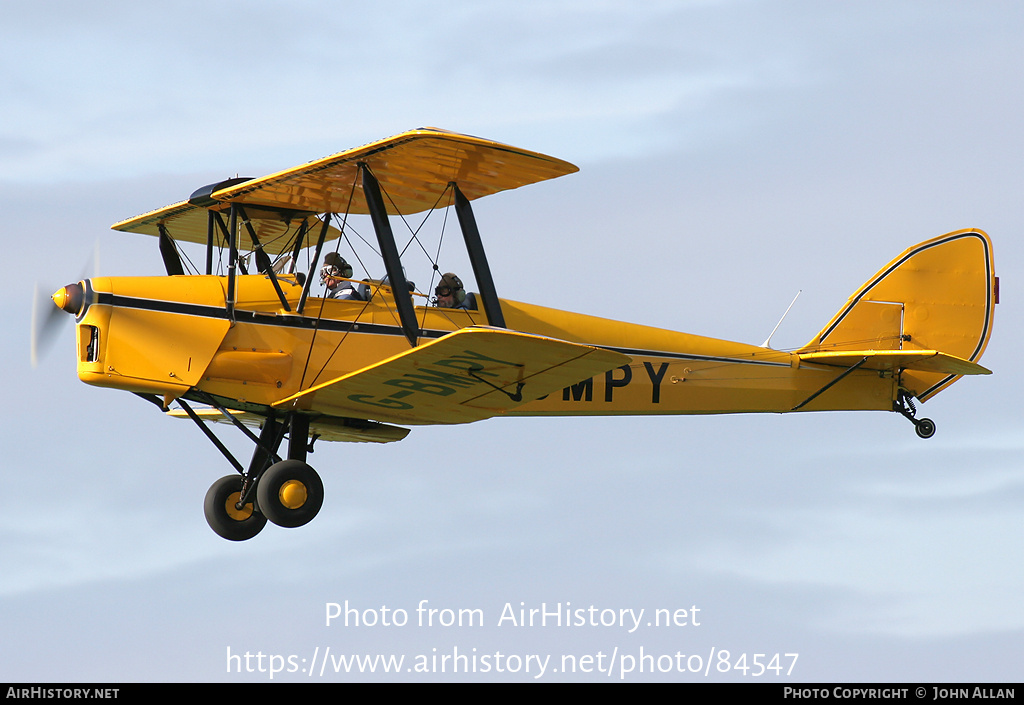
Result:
[{"x": 47, "y": 310}]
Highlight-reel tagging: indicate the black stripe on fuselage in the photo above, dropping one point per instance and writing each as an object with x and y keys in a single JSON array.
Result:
[
  {"x": 692, "y": 356},
  {"x": 256, "y": 317},
  {"x": 334, "y": 325}
]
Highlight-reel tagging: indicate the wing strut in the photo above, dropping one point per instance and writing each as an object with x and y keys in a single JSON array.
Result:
[
  {"x": 316, "y": 261},
  {"x": 232, "y": 261},
  {"x": 481, "y": 270},
  {"x": 389, "y": 251},
  {"x": 210, "y": 228},
  {"x": 300, "y": 238},
  {"x": 263, "y": 262},
  {"x": 172, "y": 262}
]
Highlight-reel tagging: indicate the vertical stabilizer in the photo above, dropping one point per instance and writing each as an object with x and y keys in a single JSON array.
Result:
[{"x": 937, "y": 295}]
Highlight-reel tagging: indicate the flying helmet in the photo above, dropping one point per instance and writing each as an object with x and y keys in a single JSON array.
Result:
[
  {"x": 335, "y": 267},
  {"x": 450, "y": 284}
]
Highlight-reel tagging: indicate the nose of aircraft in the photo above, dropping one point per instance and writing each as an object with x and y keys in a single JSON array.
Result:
[{"x": 69, "y": 298}]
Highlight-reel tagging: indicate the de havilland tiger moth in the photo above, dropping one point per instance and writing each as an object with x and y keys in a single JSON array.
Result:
[{"x": 244, "y": 339}]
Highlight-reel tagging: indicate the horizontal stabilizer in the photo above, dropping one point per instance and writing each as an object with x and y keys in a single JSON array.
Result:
[
  {"x": 895, "y": 360},
  {"x": 471, "y": 374},
  {"x": 324, "y": 428}
]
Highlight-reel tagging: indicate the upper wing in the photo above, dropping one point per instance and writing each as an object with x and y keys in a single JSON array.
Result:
[
  {"x": 471, "y": 374},
  {"x": 188, "y": 222},
  {"x": 413, "y": 168}
]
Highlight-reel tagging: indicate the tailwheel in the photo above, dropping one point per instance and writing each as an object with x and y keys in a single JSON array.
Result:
[
  {"x": 290, "y": 493},
  {"x": 925, "y": 428},
  {"x": 904, "y": 405},
  {"x": 225, "y": 517}
]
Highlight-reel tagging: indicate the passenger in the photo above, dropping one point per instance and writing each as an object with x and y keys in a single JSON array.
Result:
[
  {"x": 450, "y": 292},
  {"x": 334, "y": 275}
]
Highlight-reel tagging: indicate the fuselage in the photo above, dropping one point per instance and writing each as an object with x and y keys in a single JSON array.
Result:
[{"x": 169, "y": 335}]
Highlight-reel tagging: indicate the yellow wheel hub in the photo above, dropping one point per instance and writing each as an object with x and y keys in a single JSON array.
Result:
[
  {"x": 235, "y": 513},
  {"x": 292, "y": 494}
]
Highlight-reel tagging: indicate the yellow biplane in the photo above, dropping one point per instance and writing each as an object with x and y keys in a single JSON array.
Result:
[{"x": 250, "y": 343}]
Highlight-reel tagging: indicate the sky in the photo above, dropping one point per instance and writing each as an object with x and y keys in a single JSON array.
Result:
[{"x": 732, "y": 153}]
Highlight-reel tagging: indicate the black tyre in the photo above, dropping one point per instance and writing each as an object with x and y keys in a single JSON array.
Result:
[
  {"x": 925, "y": 428},
  {"x": 290, "y": 493},
  {"x": 224, "y": 517}
]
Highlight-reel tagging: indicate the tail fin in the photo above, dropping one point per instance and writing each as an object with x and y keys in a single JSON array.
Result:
[{"x": 937, "y": 296}]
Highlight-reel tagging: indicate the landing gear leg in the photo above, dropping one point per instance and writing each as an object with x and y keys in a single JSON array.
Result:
[
  {"x": 904, "y": 405},
  {"x": 298, "y": 435},
  {"x": 231, "y": 508},
  {"x": 290, "y": 493},
  {"x": 287, "y": 492}
]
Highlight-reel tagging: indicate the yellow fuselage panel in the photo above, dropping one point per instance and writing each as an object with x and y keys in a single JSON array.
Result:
[
  {"x": 167, "y": 334},
  {"x": 679, "y": 373},
  {"x": 140, "y": 334}
]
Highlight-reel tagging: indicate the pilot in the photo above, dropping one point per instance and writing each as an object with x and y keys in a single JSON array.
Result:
[
  {"x": 450, "y": 292},
  {"x": 334, "y": 275}
]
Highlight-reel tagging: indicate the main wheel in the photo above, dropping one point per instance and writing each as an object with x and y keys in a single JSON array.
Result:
[
  {"x": 925, "y": 428},
  {"x": 290, "y": 493},
  {"x": 223, "y": 514}
]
